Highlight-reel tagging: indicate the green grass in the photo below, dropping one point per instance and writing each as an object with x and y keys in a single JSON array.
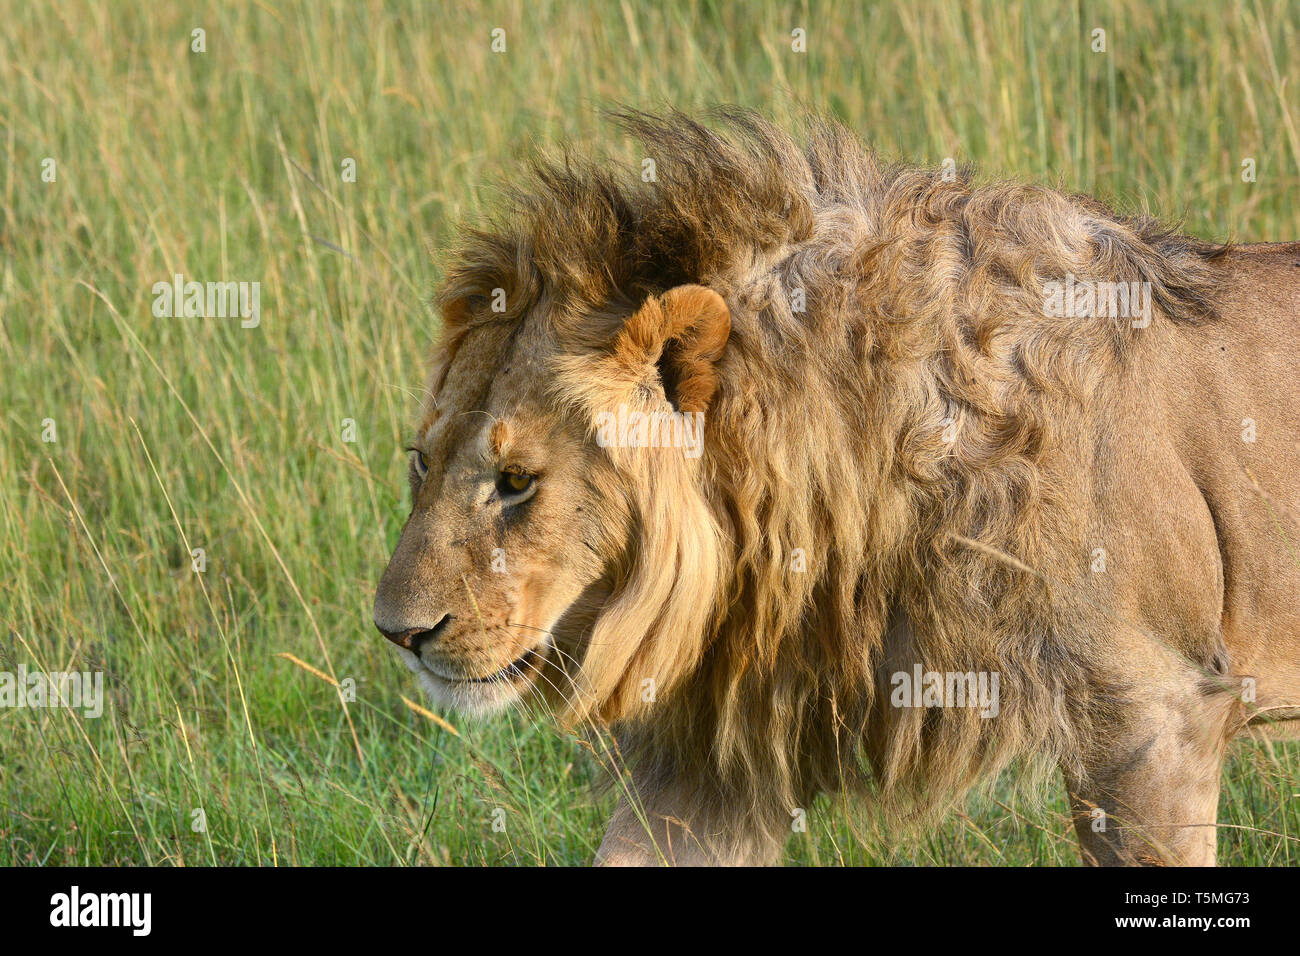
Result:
[{"x": 175, "y": 434}]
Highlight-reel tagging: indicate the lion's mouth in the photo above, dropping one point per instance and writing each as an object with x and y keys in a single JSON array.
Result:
[{"x": 523, "y": 668}]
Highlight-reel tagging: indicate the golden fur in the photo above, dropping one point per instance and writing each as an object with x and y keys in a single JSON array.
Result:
[{"x": 916, "y": 467}]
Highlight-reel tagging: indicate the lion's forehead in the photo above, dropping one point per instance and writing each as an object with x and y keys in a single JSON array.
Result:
[{"x": 496, "y": 368}]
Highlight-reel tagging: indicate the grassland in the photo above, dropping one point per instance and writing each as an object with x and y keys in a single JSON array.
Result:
[{"x": 177, "y": 434}]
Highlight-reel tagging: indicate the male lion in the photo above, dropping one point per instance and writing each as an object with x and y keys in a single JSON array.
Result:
[{"x": 986, "y": 474}]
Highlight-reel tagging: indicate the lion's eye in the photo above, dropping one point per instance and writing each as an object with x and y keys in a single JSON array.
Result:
[
  {"x": 419, "y": 463},
  {"x": 515, "y": 486}
]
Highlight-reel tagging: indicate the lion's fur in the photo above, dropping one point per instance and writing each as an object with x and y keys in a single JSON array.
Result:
[{"x": 924, "y": 301}]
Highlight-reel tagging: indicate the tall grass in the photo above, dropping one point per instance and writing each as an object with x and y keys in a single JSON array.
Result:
[{"x": 182, "y": 434}]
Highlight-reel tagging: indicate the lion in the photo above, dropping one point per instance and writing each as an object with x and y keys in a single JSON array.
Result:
[{"x": 803, "y": 473}]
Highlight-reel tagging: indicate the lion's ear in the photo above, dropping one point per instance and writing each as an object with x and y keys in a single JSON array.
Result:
[{"x": 682, "y": 333}]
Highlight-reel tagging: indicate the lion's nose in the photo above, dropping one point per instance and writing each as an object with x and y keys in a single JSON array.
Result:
[{"x": 413, "y": 637}]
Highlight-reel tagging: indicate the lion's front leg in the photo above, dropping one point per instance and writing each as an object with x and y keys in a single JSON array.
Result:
[
  {"x": 656, "y": 833},
  {"x": 1119, "y": 828},
  {"x": 1153, "y": 799}
]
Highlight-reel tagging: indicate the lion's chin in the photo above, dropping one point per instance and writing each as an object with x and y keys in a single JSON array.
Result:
[{"x": 478, "y": 697}]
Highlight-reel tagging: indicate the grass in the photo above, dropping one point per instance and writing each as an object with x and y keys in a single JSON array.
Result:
[{"x": 174, "y": 434}]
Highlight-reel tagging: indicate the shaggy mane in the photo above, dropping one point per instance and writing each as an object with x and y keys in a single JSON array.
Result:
[{"x": 876, "y": 454}]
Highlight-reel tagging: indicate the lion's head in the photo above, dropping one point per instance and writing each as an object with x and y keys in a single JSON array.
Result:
[{"x": 538, "y": 459}]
